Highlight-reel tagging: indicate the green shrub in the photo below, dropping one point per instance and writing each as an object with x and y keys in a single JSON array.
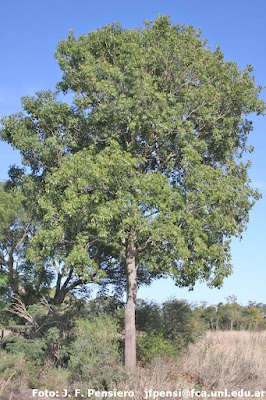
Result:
[
  {"x": 13, "y": 366},
  {"x": 7, "y": 362},
  {"x": 107, "y": 306},
  {"x": 32, "y": 350},
  {"x": 153, "y": 345},
  {"x": 179, "y": 324},
  {"x": 94, "y": 352},
  {"x": 174, "y": 321},
  {"x": 148, "y": 317},
  {"x": 48, "y": 377}
]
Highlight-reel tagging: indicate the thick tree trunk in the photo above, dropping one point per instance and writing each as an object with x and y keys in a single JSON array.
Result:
[
  {"x": 60, "y": 297},
  {"x": 14, "y": 283},
  {"x": 130, "y": 325},
  {"x": 62, "y": 291}
]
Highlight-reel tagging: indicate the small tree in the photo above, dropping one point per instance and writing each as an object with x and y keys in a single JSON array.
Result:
[
  {"x": 43, "y": 134},
  {"x": 17, "y": 226}
]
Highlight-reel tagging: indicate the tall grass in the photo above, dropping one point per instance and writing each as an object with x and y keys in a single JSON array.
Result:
[{"x": 234, "y": 360}]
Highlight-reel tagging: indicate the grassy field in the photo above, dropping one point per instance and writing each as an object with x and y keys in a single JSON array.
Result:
[
  {"x": 221, "y": 360},
  {"x": 233, "y": 360}
]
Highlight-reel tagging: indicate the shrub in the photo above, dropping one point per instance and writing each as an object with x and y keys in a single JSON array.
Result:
[
  {"x": 50, "y": 378},
  {"x": 148, "y": 317},
  {"x": 108, "y": 306},
  {"x": 7, "y": 363},
  {"x": 56, "y": 350},
  {"x": 13, "y": 368},
  {"x": 32, "y": 350},
  {"x": 153, "y": 345},
  {"x": 94, "y": 352},
  {"x": 179, "y": 323},
  {"x": 174, "y": 320}
]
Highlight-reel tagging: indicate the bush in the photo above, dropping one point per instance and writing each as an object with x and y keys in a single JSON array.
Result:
[
  {"x": 7, "y": 363},
  {"x": 107, "y": 306},
  {"x": 153, "y": 345},
  {"x": 94, "y": 353},
  {"x": 148, "y": 317},
  {"x": 179, "y": 323},
  {"x": 174, "y": 321},
  {"x": 32, "y": 350},
  {"x": 14, "y": 368},
  {"x": 50, "y": 378}
]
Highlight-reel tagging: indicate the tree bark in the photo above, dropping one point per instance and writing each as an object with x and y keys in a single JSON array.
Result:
[
  {"x": 61, "y": 292},
  {"x": 59, "y": 297},
  {"x": 130, "y": 325},
  {"x": 14, "y": 278}
]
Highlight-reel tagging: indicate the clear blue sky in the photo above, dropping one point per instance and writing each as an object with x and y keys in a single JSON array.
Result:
[{"x": 29, "y": 33}]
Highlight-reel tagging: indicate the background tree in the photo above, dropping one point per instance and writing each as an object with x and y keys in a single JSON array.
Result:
[
  {"x": 17, "y": 226},
  {"x": 260, "y": 306},
  {"x": 231, "y": 316},
  {"x": 148, "y": 159},
  {"x": 209, "y": 315},
  {"x": 43, "y": 134}
]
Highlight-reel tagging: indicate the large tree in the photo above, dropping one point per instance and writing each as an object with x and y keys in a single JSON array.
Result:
[{"x": 147, "y": 163}]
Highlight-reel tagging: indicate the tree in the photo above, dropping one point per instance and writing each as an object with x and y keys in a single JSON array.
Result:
[
  {"x": 209, "y": 315},
  {"x": 39, "y": 134},
  {"x": 147, "y": 159},
  {"x": 259, "y": 306},
  {"x": 252, "y": 318},
  {"x": 18, "y": 277}
]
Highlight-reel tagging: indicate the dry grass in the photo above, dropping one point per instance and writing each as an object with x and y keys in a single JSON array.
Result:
[
  {"x": 221, "y": 360},
  {"x": 162, "y": 375},
  {"x": 232, "y": 360},
  {"x": 4, "y": 384}
]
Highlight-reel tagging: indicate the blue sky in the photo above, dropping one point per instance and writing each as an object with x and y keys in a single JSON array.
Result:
[{"x": 29, "y": 33}]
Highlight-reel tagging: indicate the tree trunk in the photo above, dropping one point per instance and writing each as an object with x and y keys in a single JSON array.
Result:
[
  {"x": 59, "y": 296},
  {"x": 14, "y": 280},
  {"x": 232, "y": 325},
  {"x": 130, "y": 325},
  {"x": 62, "y": 291}
]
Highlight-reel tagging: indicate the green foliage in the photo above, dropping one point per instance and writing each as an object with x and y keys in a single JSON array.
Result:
[
  {"x": 166, "y": 122},
  {"x": 152, "y": 345},
  {"x": 32, "y": 350},
  {"x": 12, "y": 365},
  {"x": 10, "y": 210},
  {"x": 7, "y": 362},
  {"x": 47, "y": 331},
  {"x": 94, "y": 352},
  {"x": 233, "y": 316},
  {"x": 146, "y": 163},
  {"x": 179, "y": 324},
  {"x": 56, "y": 350},
  {"x": 148, "y": 317},
  {"x": 17, "y": 275},
  {"x": 175, "y": 320},
  {"x": 107, "y": 307}
]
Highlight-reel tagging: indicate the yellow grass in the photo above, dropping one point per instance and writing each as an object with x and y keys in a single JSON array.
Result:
[{"x": 234, "y": 360}]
